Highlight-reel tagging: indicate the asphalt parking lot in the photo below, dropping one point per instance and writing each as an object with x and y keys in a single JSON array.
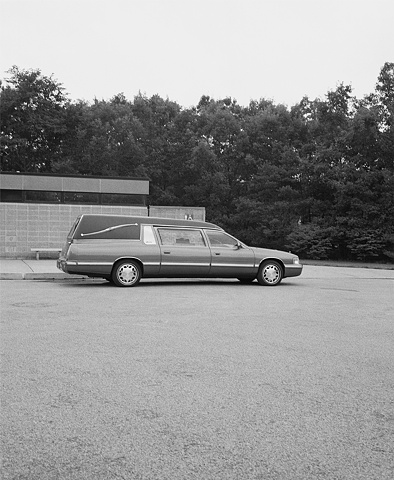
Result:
[{"x": 199, "y": 379}]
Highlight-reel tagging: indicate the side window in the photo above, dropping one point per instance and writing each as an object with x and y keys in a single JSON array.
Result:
[
  {"x": 220, "y": 239},
  {"x": 177, "y": 236},
  {"x": 149, "y": 236}
]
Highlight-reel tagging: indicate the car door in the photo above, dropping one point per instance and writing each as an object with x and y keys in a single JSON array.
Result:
[
  {"x": 229, "y": 258},
  {"x": 183, "y": 252}
]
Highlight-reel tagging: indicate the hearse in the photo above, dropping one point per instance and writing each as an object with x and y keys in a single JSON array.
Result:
[{"x": 125, "y": 249}]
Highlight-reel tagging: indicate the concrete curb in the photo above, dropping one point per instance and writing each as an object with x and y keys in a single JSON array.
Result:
[
  {"x": 52, "y": 276},
  {"x": 11, "y": 276}
]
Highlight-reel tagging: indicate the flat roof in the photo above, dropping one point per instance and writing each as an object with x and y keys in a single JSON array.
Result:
[
  {"x": 72, "y": 175},
  {"x": 73, "y": 183}
]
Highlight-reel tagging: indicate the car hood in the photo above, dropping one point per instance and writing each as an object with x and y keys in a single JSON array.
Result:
[{"x": 262, "y": 253}]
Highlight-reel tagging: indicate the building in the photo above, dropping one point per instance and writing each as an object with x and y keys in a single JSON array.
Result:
[{"x": 38, "y": 210}]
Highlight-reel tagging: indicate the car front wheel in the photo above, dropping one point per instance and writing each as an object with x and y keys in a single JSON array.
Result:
[
  {"x": 126, "y": 274},
  {"x": 270, "y": 273}
]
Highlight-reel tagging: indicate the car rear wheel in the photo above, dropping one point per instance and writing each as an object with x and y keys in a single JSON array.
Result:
[
  {"x": 270, "y": 273},
  {"x": 126, "y": 274}
]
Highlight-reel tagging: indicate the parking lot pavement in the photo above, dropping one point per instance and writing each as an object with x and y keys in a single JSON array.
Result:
[{"x": 192, "y": 379}]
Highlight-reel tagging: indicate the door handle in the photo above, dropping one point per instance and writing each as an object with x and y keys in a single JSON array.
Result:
[
  {"x": 217, "y": 253},
  {"x": 166, "y": 253}
]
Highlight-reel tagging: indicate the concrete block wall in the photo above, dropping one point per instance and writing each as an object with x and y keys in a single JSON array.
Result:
[
  {"x": 191, "y": 213},
  {"x": 30, "y": 225}
]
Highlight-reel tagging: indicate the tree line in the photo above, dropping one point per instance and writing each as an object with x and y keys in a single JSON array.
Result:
[{"x": 316, "y": 178}]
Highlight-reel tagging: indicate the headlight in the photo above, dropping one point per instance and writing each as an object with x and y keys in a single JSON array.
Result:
[{"x": 296, "y": 260}]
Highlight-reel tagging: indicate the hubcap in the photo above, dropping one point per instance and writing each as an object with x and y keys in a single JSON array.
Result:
[
  {"x": 271, "y": 274},
  {"x": 127, "y": 274}
]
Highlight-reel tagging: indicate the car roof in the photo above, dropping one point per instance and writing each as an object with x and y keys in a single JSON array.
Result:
[{"x": 156, "y": 221}]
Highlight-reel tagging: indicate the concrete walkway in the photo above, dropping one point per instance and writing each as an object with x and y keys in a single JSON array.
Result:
[{"x": 11, "y": 269}]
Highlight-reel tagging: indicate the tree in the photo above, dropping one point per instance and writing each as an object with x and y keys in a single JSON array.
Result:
[
  {"x": 103, "y": 139},
  {"x": 157, "y": 117},
  {"x": 318, "y": 178},
  {"x": 221, "y": 148},
  {"x": 32, "y": 112},
  {"x": 385, "y": 93}
]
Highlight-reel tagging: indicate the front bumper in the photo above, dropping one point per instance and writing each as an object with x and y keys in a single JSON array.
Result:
[{"x": 293, "y": 270}]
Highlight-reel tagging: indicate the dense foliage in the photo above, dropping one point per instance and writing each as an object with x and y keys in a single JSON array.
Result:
[{"x": 317, "y": 178}]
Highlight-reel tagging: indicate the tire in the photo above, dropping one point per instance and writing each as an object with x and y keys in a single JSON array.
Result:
[
  {"x": 270, "y": 273},
  {"x": 126, "y": 273}
]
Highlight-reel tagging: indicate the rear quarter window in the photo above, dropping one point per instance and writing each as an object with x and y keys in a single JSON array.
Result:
[{"x": 149, "y": 236}]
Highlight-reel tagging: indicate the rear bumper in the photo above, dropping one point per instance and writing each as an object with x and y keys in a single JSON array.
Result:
[
  {"x": 89, "y": 269},
  {"x": 61, "y": 264},
  {"x": 66, "y": 267}
]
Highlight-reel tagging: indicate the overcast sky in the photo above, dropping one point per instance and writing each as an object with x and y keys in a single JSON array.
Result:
[{"x": 183, "y": 49}]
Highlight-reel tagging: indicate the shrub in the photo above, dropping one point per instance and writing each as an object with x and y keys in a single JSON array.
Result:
[
  {"x": 311, "y": 241},
  {"x": 367, "y": 244}
]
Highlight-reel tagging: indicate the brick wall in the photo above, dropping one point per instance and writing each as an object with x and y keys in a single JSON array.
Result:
[{"x": 30, "y": 225}]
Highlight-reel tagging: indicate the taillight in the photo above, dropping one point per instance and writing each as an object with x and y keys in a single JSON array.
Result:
[{"x": 66, "y": 249}]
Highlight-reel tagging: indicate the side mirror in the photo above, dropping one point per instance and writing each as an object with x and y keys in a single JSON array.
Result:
[{"x": 239, "y": 245}]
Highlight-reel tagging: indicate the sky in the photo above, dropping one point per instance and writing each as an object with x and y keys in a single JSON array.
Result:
[{"x": 281, "y": 50}]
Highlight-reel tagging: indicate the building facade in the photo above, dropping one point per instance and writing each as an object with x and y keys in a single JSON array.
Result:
[{"x": 37, "y": 211}]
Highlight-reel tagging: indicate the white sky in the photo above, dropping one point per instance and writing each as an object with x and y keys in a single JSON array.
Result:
[{"x": 183, "y": 49}]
